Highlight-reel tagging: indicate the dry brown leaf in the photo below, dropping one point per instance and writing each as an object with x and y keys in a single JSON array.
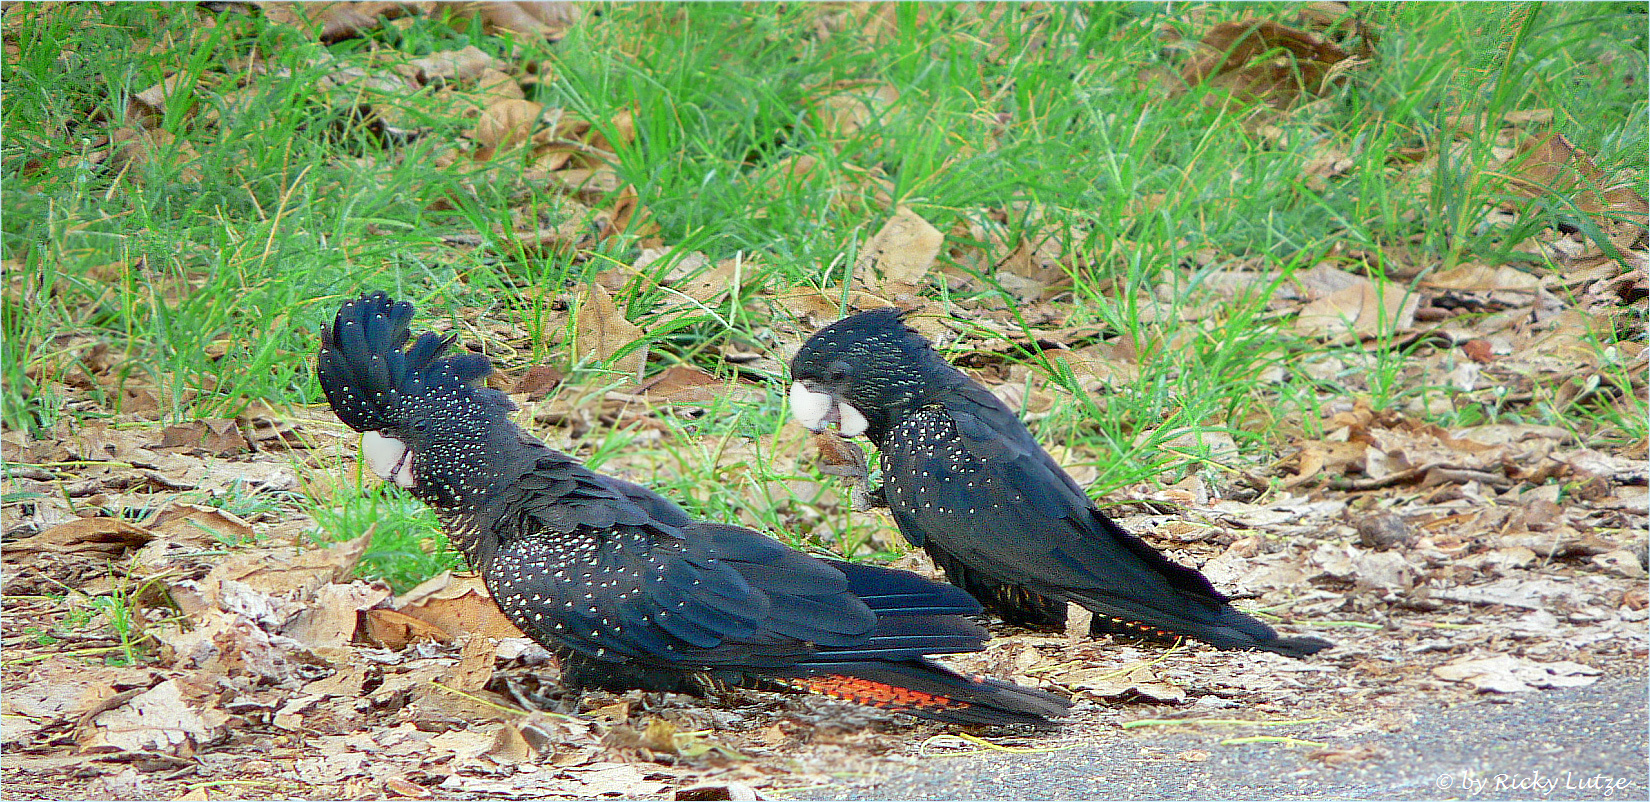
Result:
[
  {"x": 111, "y": 536},
  {"x": 1361, "y": 311},
  {"x": 623, "y": 126},
  {"x": 206, "y": 526},
  {"x": 1508, "y": 674},
  {"x": 59, "y": 692},
  {"x": 680, "y": 383},
  {"x": 538, "y": 382},
  {"x": 475, "y": 664},
  {"x": 136, "y": 149},
  {"x": 457, "y": 605},
  {"x": 600, "y": 332},
  {"x": 274, "y": 572},
  {"x": 268, "y": 427},
  {"x": 590, "y": 185},
  {"x": 145, "y": 109},
  {"x": 401, "y": 786},
  {"x": 1554, "y": 166},
  {"x": 1110, "y": 365},
  {"x": 903, "y": 252},
  {"x": 1326, "y": 162},
  {"x": 1380, "y": 571},
  {"x": 510, "y": 747},
  {"x": 1034, "y": 267},
  {"x": 1621, "y": 562},
  {"x": 217, "y": 436},
  {"x": 395, "y": 630},
  {"x": 548, "y": 19},
  {"x": 239, "y": 639},
  {"x": 726, "y": 276},
  {"x": 465, "y": 745},
  {"x": 332, "y": 21},
  {"x": 1323, "y": 279},
  {"x": 493, "y": 86},
  {"x": 345, "y": 683},
  {"x": 629, "y": 216},
  {"x": 332, "y": 616},
  {"x": 1229, "y": 56},
  {"x": 548, "y": 158},
  {"x": 1111, "y": 683},
  {"x": 1027, "y": 262},
  {"x": 786, "y": 175},
  {"x": 453, "y": 65},
  {"x": 128, "y": 784},
  {"x": 503, "y": 125},
  {"x": 175, "y": 717},
  {"x": 1483, "y": 278},
  {"x": 813, "y": 309},
  {"x": 853, "y": 106},
  {"x": 1383, "y": 531}
]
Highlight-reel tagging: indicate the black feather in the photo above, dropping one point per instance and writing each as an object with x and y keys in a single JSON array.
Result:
[
  {"x": 631, "y": 590},
  {"x": 968, "y": 483}
]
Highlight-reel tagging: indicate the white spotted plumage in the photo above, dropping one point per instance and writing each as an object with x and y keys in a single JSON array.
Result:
[{"x": 608, "y": 574}]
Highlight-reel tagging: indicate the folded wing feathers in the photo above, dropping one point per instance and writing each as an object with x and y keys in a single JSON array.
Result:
[
  {"x": 892, "y": 592},
  {"x": 727, "y": 596}
]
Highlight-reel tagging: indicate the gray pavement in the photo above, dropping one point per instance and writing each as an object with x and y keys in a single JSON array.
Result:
[{"x": 1575, "y": 743}]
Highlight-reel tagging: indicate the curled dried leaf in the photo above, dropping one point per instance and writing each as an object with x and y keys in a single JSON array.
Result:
[
  {"x": 602, "y": 333},
  {"x": 504, "y": 125},
  {"x": 1264, "y": 60},
  {"x": 903, "y": 252}
]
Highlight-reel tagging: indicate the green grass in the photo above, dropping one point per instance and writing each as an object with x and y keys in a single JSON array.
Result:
[
  {"x": 407, "y": 547},
  {"x": 211, "y": 278}
]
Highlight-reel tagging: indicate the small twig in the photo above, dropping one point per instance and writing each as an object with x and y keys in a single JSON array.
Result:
[
  {"x": 1127, "y": 670},
  {"x": 785, "y": 793},
  {"x": 985, "y": 745},
  {"x": 86, "y": 463},
  {"x": 252, "y": 783},
  {"x": 506, "y": 708},
  {"x": 35, "y": 658},
  {"x": 1055, "y": 667},
  {"x": 1272, "y": 739},
  {"x": 480, "y": 701}
]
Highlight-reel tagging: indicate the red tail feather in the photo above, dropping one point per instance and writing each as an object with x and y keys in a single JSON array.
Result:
[{"x": 878, "y": 694}]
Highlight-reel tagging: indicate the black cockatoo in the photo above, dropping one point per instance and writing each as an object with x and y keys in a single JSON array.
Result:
[
  {"x": 628, "y": 589},
  {"x": 967, "y": 483}
]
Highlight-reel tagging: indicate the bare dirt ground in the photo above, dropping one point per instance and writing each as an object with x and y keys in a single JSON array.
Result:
[{"x": 1573, "y": 743}]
